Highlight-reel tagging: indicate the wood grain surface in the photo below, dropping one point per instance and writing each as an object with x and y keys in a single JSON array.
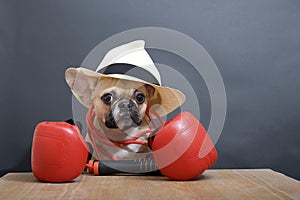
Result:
[{"x": 212, "y": 184}]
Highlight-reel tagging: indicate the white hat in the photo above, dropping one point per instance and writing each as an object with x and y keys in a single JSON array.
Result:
[
  {"x": 132, "y": 53},
  {"x": 132, "y": 62}
]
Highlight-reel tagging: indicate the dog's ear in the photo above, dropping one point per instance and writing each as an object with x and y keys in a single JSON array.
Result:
[
  {"x": 153, "y": 95},
  {"x": 82, "y": 85},
  {"x": 150, "y": 90}
]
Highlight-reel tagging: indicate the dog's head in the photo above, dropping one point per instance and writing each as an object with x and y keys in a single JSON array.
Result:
[{"x": 119, "y": 104}]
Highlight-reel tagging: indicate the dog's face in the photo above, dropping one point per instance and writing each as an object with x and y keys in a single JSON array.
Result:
[{"x": 119, "y": 104}]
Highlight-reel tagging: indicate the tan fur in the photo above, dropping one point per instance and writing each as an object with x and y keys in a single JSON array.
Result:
[{"x": 90, "y": 90}]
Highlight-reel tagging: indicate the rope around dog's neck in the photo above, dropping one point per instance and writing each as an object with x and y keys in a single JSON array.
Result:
[{"x": 96, "y": 134}]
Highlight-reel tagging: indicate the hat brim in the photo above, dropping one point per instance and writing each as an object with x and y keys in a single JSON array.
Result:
[{"x": 169, "y": 98}]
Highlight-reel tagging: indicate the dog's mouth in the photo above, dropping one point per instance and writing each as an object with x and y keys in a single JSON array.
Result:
[
  {"x": 123, "y": 121},
  {"x": 126, "y": 122}
]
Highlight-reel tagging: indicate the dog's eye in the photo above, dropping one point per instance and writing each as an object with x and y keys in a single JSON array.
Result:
[
  {"x": 140, "y": 98},
  {"x": 107, "y": 98}
]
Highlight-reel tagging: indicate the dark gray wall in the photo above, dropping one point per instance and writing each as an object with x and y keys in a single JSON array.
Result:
[{"x": 255, "y": 44}]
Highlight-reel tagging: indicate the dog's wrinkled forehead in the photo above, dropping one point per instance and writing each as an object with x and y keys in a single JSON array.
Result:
[{"x": 119, "y": 86}]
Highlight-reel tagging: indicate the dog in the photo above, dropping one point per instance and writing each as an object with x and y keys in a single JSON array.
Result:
[
  {"x": 120, "y": 94},
  {"x": 119, "y": 107}
]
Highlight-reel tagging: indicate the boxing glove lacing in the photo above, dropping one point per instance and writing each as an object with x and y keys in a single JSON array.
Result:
[{"x": 95, "y": 134}]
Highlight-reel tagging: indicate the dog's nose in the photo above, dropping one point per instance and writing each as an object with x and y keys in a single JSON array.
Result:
[{"x": 125, "y": 104}]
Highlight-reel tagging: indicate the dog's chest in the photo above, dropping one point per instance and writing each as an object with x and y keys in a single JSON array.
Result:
[
  {"x": 108, "y": 150},
  {"x": 128, "y": 152}
]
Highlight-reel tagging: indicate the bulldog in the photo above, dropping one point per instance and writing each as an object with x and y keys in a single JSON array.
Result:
[{"x": 119, "y": 109}]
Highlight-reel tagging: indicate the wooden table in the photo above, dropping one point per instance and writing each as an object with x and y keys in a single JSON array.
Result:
[{"x": 212, "y": 184}]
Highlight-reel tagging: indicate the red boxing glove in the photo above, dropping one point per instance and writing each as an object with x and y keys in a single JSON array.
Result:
[
  {"x": 182, "y": 149},
  {"x": 59, "y": 152}
]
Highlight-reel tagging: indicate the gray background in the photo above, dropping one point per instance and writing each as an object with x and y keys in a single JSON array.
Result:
[{"x": 255, "y": 44}]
